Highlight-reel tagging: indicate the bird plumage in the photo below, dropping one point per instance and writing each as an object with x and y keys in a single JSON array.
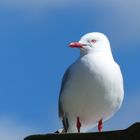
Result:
[{"x": 92, "y": 87}]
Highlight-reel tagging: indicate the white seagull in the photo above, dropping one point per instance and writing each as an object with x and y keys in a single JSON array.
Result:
[{"x": 92, "y": 87}]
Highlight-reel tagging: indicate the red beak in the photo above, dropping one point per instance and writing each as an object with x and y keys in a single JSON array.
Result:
[{"x": 76, "y": 45}]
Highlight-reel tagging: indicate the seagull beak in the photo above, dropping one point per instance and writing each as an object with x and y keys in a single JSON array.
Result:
[{"x": 76, "y": 45}]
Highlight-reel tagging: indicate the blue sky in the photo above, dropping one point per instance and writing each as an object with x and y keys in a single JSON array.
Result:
[{"x": 34, "y": 36}]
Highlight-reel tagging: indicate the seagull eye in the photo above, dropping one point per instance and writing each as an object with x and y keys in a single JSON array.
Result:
[{"x": 93, "y": 41}]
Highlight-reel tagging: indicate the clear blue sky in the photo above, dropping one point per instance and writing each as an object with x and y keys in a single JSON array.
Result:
[{"x": 34, "y": 36}]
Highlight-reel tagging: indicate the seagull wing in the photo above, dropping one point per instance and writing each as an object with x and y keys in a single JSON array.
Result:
[{"x": 64, "y": 82}]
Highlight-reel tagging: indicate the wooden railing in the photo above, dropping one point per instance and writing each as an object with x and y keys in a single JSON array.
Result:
[{"x": 131, "y": 133}]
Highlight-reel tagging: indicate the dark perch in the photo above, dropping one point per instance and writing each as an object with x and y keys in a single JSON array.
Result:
[{"x": 131, "y": 133}]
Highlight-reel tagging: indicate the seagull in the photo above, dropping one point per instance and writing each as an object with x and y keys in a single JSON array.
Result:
[{"x": 92, "y": 87}]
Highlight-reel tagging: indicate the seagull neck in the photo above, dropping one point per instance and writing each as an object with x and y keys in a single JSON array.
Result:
[{"x": 108, "y": 54}]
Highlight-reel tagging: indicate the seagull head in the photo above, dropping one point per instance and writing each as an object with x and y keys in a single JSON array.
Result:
[{"x": 92, "y": 42}]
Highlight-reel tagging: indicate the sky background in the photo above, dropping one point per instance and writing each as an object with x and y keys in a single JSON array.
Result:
[{"x": 34, "y": 53}]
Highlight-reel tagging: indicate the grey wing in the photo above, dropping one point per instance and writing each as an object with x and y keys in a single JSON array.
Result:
[{"x": 64, "y": 81}]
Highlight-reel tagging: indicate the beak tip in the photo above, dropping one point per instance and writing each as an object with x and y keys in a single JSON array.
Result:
[{"x": 71, "y": 44}]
